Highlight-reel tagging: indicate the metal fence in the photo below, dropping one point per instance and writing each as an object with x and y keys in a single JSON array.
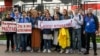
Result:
[{"x": 44, "y": 6}]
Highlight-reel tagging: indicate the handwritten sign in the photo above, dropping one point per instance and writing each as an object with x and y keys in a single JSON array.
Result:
[
  {"x": 24, "y": 28},
  {"x": 8, "y": 26}
]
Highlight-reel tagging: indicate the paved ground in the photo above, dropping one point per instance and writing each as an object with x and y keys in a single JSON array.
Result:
[{"x": 3, "y": 47}]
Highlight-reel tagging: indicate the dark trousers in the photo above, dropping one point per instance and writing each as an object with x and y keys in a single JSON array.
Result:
[
  {"x": 70, "y": 33},
  {"x": 93, "y": 36},
  {"x": 29, "y": 40},
  {"x": 10, "y": 38},
  {"x": 23, "y": 38},
  {"x": 42, "y": 40},
  {"x": 83, "y": 38}
]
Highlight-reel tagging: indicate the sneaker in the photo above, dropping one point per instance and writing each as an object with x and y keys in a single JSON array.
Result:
[
  {"x": 67, "y": 51},
  {"x": 44, "y": 51},
  {"x": 28, "y": 48},
  {"x": 49, "y": 51},
  {"x": 61, "y": 51}
]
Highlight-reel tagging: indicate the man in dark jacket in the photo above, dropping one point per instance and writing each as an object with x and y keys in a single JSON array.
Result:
[
  {"x": 91, "y": 26},
  {"x": 9, "y": 35}
]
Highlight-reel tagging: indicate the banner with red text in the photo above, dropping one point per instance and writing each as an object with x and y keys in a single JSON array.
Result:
[
  {"x": 55, "y": 24},
  {"x": 24, "y": 28},
  {"x": 8, "y": 26}
]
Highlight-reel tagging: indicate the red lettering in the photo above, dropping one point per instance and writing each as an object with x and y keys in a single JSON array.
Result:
[
  {"x": 19, "y": 26},
  {"x": 14, "y": 29},
  {"x": 28, "y": 26},
  {"x": 24, "y": 30}
]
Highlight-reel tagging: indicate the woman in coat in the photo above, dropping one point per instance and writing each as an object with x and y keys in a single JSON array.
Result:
[{"x": 35, "y": 38}]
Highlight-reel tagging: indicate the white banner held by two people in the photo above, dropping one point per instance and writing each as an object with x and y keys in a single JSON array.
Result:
[{"x": 55, "y": 24}]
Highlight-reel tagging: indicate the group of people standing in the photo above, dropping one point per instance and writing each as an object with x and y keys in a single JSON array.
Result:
[{"x": 85, "y": 26}]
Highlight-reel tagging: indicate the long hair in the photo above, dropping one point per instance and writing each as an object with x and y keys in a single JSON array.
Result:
[{"x": 66, "y": 15}]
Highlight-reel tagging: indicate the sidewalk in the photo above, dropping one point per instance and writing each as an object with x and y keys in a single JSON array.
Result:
[
  {"x": 3, "y": 42},
  {"x": 3, "y": 47}
]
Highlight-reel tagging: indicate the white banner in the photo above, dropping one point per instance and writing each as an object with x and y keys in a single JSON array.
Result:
[
  {"x": 24, "y": 28},
  {"x": 8, "y": 26},
  {"x": 55, "y": 24}
]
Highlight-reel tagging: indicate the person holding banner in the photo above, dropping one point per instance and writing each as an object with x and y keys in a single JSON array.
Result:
[
  {"x": 29, "y": 36},
  {"x": 41, "y": 16},
  {"x": 47, "y": 34},
  {"x": 23, "y": 36},
  {"x": 35, "y": 38},
  {"x": 17, "y": 16},
  {"x": 9, "y": 35},
  {"x": 65, "y": 17}
]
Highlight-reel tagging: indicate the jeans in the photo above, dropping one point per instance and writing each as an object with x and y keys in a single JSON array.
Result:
[
  {"x": 70, "y": 33},
  {"x": 47, "y": 44},
  {"x": 93, "y": 36},
  {"x": 23, "y": 38},
  {"x": 76, "y": 39},
  {"x": 17, "y": 41}
]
